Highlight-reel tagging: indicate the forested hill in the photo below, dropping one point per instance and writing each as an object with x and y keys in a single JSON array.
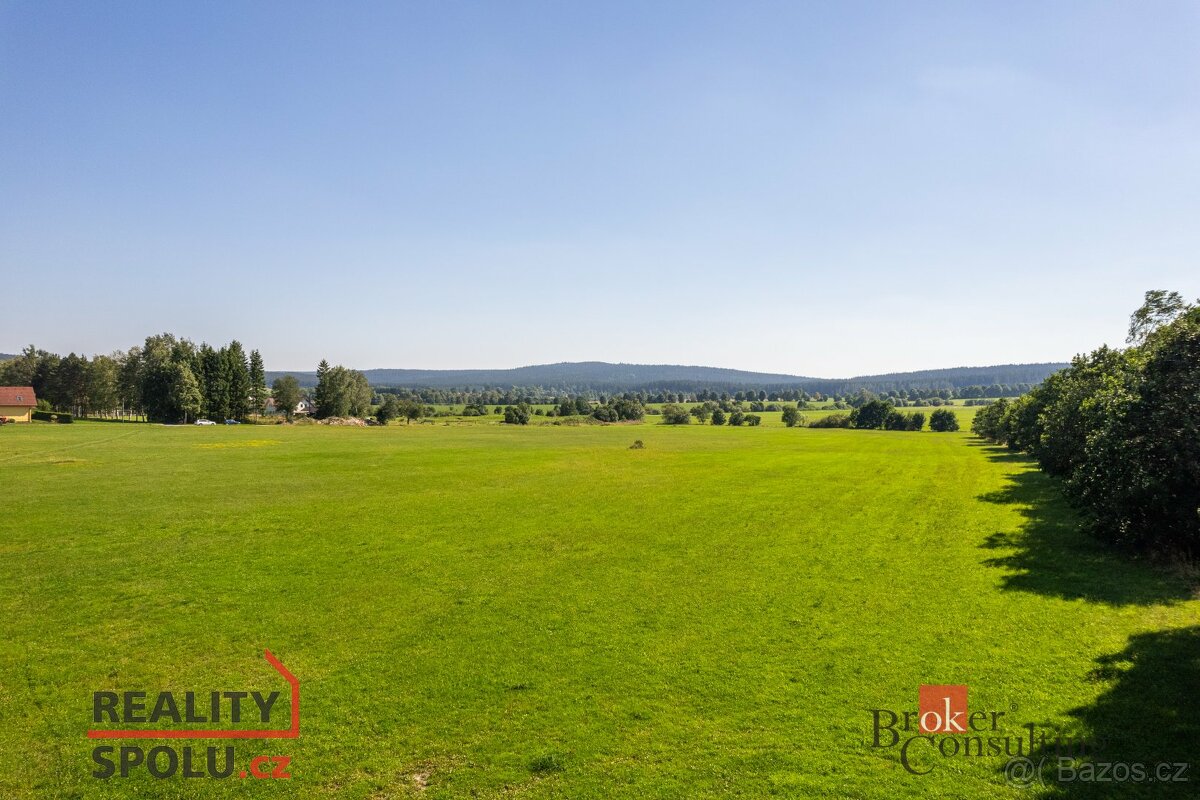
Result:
[
  {"x": 601, "y": 376},
  {"x": 952, "y": 378}
]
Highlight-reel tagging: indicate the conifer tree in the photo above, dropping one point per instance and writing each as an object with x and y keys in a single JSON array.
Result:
[
  {"x": 237, "y": 372},
  {"x": 258, "y": 383},
  {"x": 323, "y": 395}
]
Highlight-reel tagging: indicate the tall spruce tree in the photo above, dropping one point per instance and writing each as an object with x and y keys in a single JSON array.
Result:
[
  {"x": 214, "y": 387},
  {"x": 237, "y": 372},
  {"x": 258, "y": 384},
  {"x": 323, "y": 395}
]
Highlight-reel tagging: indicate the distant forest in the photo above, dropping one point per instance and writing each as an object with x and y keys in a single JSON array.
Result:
[
  {"x": 592, "y": 377},
  {"x": 597, "y": 378}
]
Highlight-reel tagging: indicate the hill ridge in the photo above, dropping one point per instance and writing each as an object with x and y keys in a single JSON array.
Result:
[{"x": 610, "y": 376}]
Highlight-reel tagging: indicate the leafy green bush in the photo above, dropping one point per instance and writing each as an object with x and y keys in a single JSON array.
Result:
[
  {"x": 943, "y": 421},
  {"x": 988, "y": 422},
  {"x": 517, "y": 415},
  {"x": 615, "y": 410},
  {"x": 871, "y": 414},
  {"x": 628, "y": 409},
  {"x": 673, "y": 414},
  {"x": 605, "y": 414},
  {"x": 831, "y": 421}
]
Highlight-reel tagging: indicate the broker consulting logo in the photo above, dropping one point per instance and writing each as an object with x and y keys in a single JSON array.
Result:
[
  {"x": 194, "y": 715},
  {"x": 943, "y": 727}
]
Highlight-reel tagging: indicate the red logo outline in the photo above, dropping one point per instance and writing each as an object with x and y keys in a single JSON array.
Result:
[{"x": 291, "y": 733}]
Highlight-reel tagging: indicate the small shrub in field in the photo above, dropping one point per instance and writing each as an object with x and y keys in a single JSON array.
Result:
[
  {"x": 550, "y": 762},
  {"x": 737, "y": 418},
  {"x": 637, "y": 445},
  {"x": 753, "y": 419},
  {"x": 915, "y": 422},
  {"x": 718, "y": 417},
  {"x": 792, "y": 417},
  {"x": 943, "y": 421}
]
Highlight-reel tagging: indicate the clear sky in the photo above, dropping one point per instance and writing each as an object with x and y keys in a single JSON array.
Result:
[{"x": 814, "y": 188}]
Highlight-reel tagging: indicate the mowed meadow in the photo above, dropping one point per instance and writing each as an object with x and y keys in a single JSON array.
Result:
[{"x": 484, "y": 610}]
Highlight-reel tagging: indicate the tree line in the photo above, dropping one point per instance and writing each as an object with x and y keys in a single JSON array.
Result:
[
  {"x": 535, "y": 395},
  {"x": 165, "y": 379},
  {"x": 710, "y": 412},
  {"x": 1121, "y": 429}
]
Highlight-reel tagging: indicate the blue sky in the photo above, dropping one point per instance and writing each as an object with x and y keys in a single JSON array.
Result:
[{"x": 821, "y": 189}]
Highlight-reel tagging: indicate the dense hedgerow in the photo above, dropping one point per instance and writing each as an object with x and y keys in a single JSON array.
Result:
[
  {"x": 1122, "y": 429},
  {"x": 52, "y": 416},
  {"x": 831, "y": 421}
]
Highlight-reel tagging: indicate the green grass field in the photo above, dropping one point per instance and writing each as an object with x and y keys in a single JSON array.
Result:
[{"x": 486, "y": 611}]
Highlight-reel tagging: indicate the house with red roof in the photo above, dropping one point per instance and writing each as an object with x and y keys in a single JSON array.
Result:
[{"x": 17, "y": 403}]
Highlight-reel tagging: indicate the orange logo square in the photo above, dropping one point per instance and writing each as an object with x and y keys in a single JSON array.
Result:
[{"x": 942, "y": 709}]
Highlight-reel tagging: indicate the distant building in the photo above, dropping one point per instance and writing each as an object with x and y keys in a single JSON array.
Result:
[
  {"x": 17, "y": 403},
  {"x": 305, "y": 406}
]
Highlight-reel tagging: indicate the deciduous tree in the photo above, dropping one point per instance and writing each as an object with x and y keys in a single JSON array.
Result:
[{"x": 286, "y": 394}]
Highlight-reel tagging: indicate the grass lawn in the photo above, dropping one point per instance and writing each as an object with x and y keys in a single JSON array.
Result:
[{"x": 484, "y": 611}]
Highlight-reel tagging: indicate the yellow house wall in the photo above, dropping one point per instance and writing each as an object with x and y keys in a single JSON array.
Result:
[{"x": 17, "y": 413}]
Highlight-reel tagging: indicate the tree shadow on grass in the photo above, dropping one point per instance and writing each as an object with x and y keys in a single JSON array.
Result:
[
  {"x": 1147, "y": 717},
  {"x": 1053, "y": 555}
]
